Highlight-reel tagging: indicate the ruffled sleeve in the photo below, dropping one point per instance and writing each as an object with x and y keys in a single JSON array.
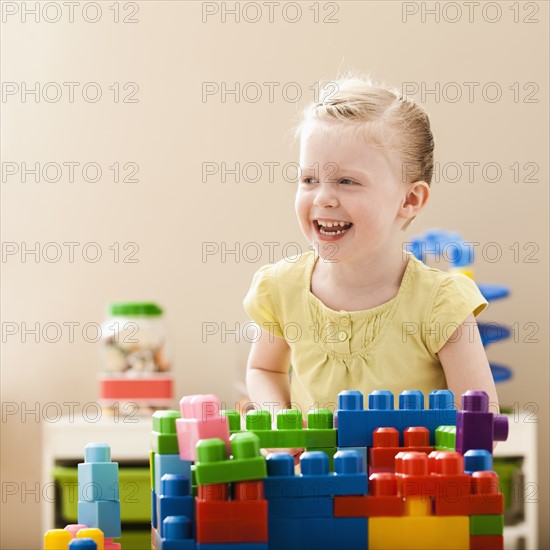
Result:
[
  {"x": 259, "y": 302},
  {"x": 456, "y": 297}
]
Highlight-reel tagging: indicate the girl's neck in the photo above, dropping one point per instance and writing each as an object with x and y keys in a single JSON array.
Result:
[{"x": 362, "y": 284}]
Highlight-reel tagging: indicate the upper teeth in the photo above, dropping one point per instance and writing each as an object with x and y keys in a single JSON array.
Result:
[{"x": 332, "y": 224}]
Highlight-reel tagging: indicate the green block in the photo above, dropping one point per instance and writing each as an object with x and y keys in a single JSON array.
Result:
[
  {"x": 246, "y": 462},
  {"x": 487, "y": 525},
  {"x": 234, "y": 419},
  {"x": 165, "y": 421},
  {"x": 445, "y": 438},
  {"x": 290, "y": 432},
  {"x": 164, "y": 444}
]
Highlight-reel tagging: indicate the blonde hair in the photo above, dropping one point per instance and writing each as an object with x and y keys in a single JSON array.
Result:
[{"x": 380, "y": 116}]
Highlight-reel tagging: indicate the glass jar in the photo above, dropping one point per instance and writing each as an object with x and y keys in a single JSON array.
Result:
[{"x": 135, "y": 359}]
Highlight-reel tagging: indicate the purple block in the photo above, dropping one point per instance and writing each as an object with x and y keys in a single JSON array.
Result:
[{"x": 476, "y": 427}]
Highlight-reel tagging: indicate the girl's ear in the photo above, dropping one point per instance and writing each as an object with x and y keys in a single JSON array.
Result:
[{"x": 416, "y": 198}]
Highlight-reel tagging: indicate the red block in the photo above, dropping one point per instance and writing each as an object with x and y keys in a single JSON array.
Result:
[
  {"x": 368, "y": 506},
  {"x": 386, "y": 445},
  {"x": 486, "y": 542},
  {"x": 472, "y": 505},
  {"x": 231, "y": 521}
]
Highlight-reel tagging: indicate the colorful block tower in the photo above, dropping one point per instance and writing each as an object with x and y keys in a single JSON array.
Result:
[
  {"x": 98, "y": 505},
  {"x": 416, "y": 496}
]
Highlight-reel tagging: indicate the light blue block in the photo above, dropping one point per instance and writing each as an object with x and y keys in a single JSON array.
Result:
[
  {"x": 169, "y": 464},
  {"x": 98, "y": 481},
  {"x": 103, "y": 514}
]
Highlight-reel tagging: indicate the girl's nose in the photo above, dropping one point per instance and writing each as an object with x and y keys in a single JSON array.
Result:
[{"x": 326, "y": 196}]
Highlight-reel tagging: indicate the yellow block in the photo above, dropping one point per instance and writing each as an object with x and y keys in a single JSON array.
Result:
[
  {"x": 57, "y": 539},
  {"x": 418, "y": 506},
  {"x": 419, "y": 533},
  {"x": 93, "y": 533},
  {"x": 464, "y": 270}
]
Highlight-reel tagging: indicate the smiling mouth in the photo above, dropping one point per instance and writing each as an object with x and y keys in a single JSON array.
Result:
[{"x": 336, "y": 229}]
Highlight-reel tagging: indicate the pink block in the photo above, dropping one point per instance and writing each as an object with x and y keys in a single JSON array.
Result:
[
  {"x": 200, "y": 407},
  {"x": 110, "y": 545},
  {"x": 74, "y": 528},
  {"x": 200, "y": 419}
]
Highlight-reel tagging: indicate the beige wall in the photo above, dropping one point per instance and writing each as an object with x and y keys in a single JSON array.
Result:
[{"x": 170, "y": 213}]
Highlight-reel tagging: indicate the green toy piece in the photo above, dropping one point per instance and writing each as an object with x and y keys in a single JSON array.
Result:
[
  {"x": 164, "y": 439},
  {"x": 246, "y": 462},
  {"x": 487, "y": 525},
  {"x": 445, "y": 437},
  {"x": 290, "y": 432}
]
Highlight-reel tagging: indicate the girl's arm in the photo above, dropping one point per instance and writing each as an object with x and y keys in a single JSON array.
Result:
[
  {"x": 465, "y": 363},
  {"x": 267, "y": 373}
]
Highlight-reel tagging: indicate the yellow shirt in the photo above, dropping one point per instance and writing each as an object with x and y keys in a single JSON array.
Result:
[{"x": 392, "y": 346}]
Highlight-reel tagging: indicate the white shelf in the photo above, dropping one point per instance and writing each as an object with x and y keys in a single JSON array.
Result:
[{"x": 522, "y": 442}]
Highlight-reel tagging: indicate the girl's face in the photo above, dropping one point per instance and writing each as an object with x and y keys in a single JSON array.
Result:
[{"x": 348, "y": 195}]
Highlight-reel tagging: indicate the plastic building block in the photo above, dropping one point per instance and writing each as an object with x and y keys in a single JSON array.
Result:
[
  {"x": 177, "y": 531},
  {"x": 318, "y": 533},
  {"x": 110, "y": 545},
  {"x": 445, "y": 438},
  {"x": 105, "y": 514},
  {"x": 154, "y": 520},
  {"x": 245, "y": 464},
  {"x": 175, "y": 499},
  {"x": 57, "y": 539},
  {"x": 486, "y": 542},
  {"x": 383, "y": 499},
  {"x": 419, "y": 533},
  {"x": 477, "y": 460},
  {"x": 361, "y": 450},
  {"x": 304, "y": 507},
  {"x": 233, "y": 546},
  {"x": 231, "y": 521},
  {"x": 94, "y": 534},
  {"x": 476, "y": 427},
  {"x": 234, "y": 419},
  {"x": 356, "y": 426},
  {"x": 315, "y": 479},
  {"x": 170, "y": 464},
  {"x": 97, "y": 476},
  {"x": 74, "y": 528},
  {"x": 164, "y": 439},
  {"x": 82, "y": 544},
  {"x": 487, "y": 525},
  {"x": 290, "y": 432},
  {"x": 200, "y": 419},
  {"x": 386, "y": 446},
  {"x": 484, "y": 499}
]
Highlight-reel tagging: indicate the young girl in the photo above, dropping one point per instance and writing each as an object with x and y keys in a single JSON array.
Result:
[{"x": 358, "y": 311}]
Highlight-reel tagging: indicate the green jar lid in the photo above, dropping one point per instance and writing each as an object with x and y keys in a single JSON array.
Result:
[{"x": 135, "y": 309}]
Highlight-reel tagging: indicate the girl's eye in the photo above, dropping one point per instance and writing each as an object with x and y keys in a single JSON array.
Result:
[
  {"x": 349, "y": 182},
  {"x": 307, "y": 180}
]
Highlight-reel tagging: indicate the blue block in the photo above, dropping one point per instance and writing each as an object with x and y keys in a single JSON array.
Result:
[
  {"x": 98, "y": 481},
  {"x": 315, "y": 479},
  {"x": 233, "y": 546},
  {"x": 178, "y": 535},
  {"x": 175, "y": 500},
  {"x": 103, "y": 514},
  {"x": 82, "y": 544},
  {"x": 169, "y": 464},
  {"x": 477, "y": 460},
  {"x": 355, "y": 426},
  {"x": 362, "y": 451},
  {"x": 318, "y": 533},
  {"x": 154, "y": 505},
  {"x": 305, "y": 507}
]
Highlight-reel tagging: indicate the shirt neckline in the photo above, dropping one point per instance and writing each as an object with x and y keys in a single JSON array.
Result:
[{"x": 359, "y": 313}]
